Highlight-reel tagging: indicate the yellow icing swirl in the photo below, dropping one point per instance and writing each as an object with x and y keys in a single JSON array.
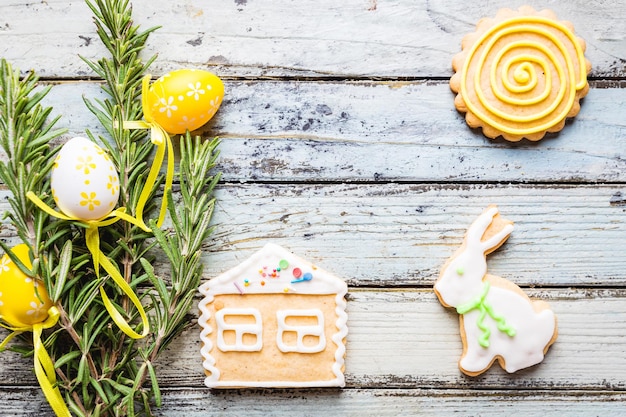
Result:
[{"x": 533, "y": 82}]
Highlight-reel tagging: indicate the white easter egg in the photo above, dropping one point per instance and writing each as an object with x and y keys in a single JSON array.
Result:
[{"x": 84, "y": 181}]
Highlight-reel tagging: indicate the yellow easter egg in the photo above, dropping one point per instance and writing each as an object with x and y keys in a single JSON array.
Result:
[
  {"x": 23, "y": 300},
  {"x": 84, "y": 181},
  {"x": 184, "y": 99}
]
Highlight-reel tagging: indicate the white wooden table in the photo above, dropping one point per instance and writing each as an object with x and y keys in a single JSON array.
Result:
[{"x": 340, "y": 141}]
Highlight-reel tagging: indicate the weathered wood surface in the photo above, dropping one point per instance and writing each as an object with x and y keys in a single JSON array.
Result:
[
  {"x": 354, "y": 38},
  {"x": 25, "y": 402},
  {"x": 340, "y": 141},
  {"x": 385, "y": 131},
  {"x": 406, "y": 339},
  {"x": 399, "y": 235}
]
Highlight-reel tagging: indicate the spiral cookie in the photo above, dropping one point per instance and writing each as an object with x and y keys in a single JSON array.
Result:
[{"x": 520, "y": 75}]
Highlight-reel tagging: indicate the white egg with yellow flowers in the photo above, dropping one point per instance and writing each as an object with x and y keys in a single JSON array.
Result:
[
  {"x": 184, "y": 99},
  {"x": 23, "y": 300},
  {"x": 84, "y": 181}
]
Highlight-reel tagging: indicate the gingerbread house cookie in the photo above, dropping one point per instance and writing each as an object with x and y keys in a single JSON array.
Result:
[{"x": 275, "y": 320}]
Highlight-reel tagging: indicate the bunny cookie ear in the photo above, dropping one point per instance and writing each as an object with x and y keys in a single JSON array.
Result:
[{"x": 489, "y": 230}]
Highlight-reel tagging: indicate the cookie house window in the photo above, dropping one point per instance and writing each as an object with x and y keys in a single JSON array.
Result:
[
  {"x": 239, "y": 330},
  {"x": 300, "y": 331}
]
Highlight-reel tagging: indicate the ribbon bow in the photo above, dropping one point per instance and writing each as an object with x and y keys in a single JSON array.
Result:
[
  {"x": 480, "y": 303},
  {"x": 44, "y": 368},
  {"x": 92, "y": 239},
  {"x": 160, "y": 138}
]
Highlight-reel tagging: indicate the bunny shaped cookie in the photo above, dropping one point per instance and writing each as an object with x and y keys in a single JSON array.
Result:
[{"x": 497, "y": 319}]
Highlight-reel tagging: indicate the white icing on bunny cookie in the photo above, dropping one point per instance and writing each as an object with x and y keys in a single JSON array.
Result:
[{"x": 498, "y": 320}]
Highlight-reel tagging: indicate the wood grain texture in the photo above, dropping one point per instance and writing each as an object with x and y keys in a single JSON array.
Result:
[
  {"x": 399, "y": 235},
  {"x": 406, "y": 339},
  {"x": 384, "y": 131},
  {"x": 340, "y": 141},
  {"x": 198, "y": 402},
  {"x": 310, "y": 38}
]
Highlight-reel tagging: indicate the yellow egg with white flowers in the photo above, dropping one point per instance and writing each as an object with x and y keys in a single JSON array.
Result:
[
  {"x": 84, "y": 180},
  {"x": 23, "y": 300},
  {"x": 184, "y": 99}
]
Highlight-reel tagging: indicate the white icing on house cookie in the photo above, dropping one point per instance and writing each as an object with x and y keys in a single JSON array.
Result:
[{"x": 275, "y": 320}]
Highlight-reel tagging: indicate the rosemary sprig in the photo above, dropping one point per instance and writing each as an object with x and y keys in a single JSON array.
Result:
[
  {"x": 182, "y": 245},
  {"x": 25, "y": 133},
  {"x": 101, "y": 372},
  {"x": 190, "y": 218}
]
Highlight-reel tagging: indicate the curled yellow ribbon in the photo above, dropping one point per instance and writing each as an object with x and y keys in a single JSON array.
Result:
[
  {"x": 44, "y": 368},
  {"x": 92, "y": 239},
  {"x": 160, "y": 138}
]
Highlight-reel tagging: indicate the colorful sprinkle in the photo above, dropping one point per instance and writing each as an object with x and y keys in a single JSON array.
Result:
[
  {"x": 286, "y": 289},
  {"x": 238, "y": 288},
  {"x": 460, "y": 270},
  {"x": 283, "y": 264},
  {"x": 306, "y": 277},
  {"x": 246, "y": 282},
  {"x": 297, "y": 272},
  {"x": 262, "y": 282}
]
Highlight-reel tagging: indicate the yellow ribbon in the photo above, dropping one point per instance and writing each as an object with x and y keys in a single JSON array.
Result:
[
  {"x": 92, "y": 239},
  {"x": 44, "y": 368},
  {"x": 160, "y": 138}
]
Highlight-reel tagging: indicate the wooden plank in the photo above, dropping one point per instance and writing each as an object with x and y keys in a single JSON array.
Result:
[
  {"x": 393, "y": 403},
  {"x": 340, "y": 141},
  {"x": 189, "y": 402},
  {"x": 318, "y": 38},
  {"x": 401, "y": 234},
  {"x": 376, "y": 131},
  {"x": 406, "y": 339}
]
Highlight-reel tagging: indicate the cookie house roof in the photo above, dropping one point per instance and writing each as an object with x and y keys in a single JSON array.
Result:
[{"x": 272, "y": 270}]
